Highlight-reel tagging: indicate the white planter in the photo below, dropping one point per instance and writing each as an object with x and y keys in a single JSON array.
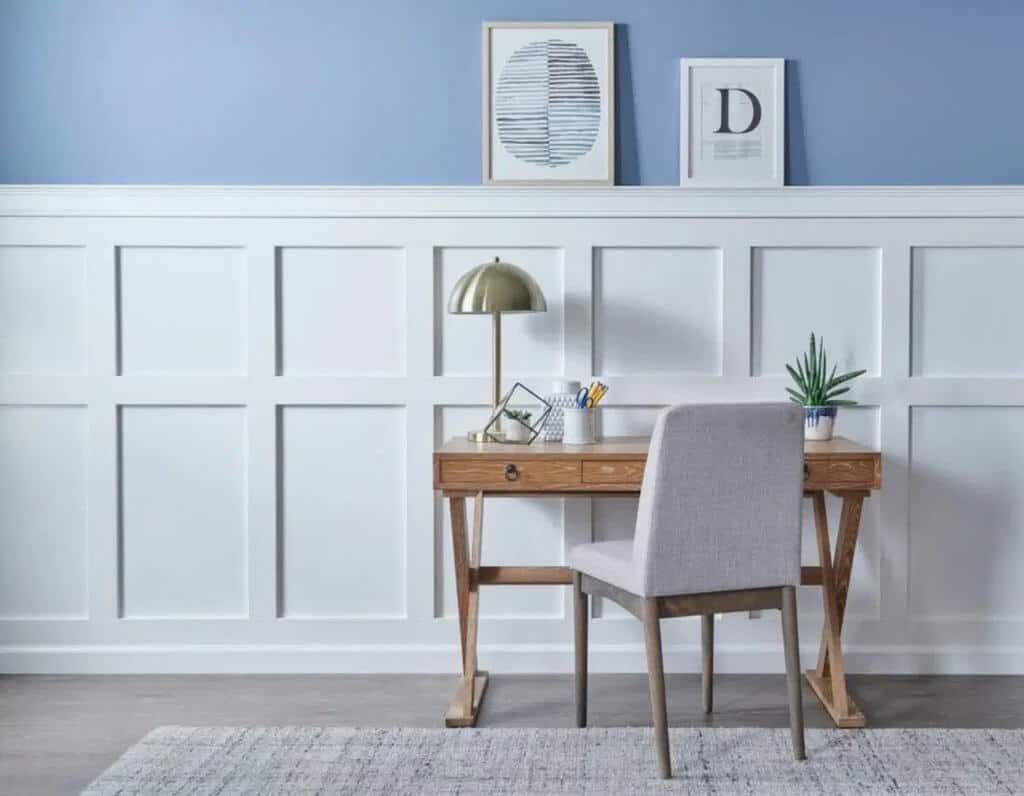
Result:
[
  {"x": 819, "y": 422},
  {"x": 515, "y": 431}
]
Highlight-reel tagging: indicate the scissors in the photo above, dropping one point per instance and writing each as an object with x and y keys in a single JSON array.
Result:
[{"x": 588, "y": 397}]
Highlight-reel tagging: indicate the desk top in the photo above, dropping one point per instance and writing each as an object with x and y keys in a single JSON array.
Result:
[{"x": 619, "y": 448}]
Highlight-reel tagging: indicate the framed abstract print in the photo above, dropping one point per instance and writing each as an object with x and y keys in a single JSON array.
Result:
[{"x": 549, "y": 103}]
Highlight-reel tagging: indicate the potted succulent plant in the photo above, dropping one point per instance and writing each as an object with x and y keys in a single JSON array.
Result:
[
  {"x": 518, "y": 429},
  {"x": 818, "y": 390}
]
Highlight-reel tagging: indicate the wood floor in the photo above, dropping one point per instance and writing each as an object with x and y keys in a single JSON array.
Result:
[{"x": 58, "y": 733}]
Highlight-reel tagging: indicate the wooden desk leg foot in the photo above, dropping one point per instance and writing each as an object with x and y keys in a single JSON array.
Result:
[
  {"x": 456, "y": 715},
  {"x": 828, "y": 680},
  {"x": 852, "y": 719},
  {"x": 465, "y": 707}
]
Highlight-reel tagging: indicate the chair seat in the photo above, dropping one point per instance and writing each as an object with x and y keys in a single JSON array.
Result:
[{"x": 611, "y": 562}]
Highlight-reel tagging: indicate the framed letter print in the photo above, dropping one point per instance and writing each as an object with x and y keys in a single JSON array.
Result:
[
  {"x": 732, "y": 122},
  {"x": 549, "y": 102}
]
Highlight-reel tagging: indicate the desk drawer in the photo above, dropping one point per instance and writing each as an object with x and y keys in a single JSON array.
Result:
[
  {"x": 514, "y": 475},
  {"x": 842, "y": 474},
  {"x": 613, "y": 473}
]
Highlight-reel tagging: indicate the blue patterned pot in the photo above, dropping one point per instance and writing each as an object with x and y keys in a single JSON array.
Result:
[{"x": 818, "y": 422}]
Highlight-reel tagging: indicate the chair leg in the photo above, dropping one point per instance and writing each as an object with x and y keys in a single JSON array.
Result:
[
  {"x": 707, "y": 641},
  {"x": 791, "y": 642},
  {"x": 579, "y": 600},
  {"x": 656, "y": 679}
]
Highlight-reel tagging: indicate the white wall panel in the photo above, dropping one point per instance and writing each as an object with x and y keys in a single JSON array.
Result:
[
  {"x": 343, "y": 511},
  {"x": 967, "y": 512},
  {"x": 657, "y": 310},
  {"x": 532, "y": 341},
  {"x": 265, "y": 503},
  {"x": 342, "y": 311},
  {"x": 43, "y": 546},
  {"x": 627, "y": 421},
  {"x": 183, "y": 499},
  {"x": 522, "y": 531},
  {"x": 967, "y": 318},
  {"x": 42, "y": 309},
  {"x": 834, "y": 292},
  {"x": 182, "y": 309}
]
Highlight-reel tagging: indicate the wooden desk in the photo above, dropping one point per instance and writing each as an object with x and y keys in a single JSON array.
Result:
[{"x": 615, "y": 466}]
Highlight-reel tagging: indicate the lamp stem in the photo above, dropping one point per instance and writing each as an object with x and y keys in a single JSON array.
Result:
[{"x": 496, "y": 358}]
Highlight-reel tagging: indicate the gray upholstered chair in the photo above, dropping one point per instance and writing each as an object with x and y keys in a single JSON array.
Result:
[{"x": 718, "y": 530}]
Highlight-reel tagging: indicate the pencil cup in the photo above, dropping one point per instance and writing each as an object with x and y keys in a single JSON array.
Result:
[{"x": 580, "y": 426}]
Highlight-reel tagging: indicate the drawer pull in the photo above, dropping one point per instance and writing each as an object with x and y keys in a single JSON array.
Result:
[
  {"x": 511, "y": 472},
  {"x": 807, "y": 471}
]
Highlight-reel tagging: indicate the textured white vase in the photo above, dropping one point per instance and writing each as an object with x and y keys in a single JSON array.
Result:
[
  {"x": 819, "y": 422},
  {"x": 562, "y": 396}
]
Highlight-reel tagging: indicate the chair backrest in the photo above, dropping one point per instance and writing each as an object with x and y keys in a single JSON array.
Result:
[{"x": 720, "y": 501}]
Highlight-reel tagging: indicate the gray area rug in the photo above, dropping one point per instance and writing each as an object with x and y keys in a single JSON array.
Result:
[{"x": 231, "y": 760}]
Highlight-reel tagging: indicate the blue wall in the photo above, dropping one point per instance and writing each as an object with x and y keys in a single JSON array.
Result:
[{"x": 388, "y": 91}]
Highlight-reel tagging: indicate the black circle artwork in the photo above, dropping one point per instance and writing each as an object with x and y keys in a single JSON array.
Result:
[{"x": 548, "y": 103}]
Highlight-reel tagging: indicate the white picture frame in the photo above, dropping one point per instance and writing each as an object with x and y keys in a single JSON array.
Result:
[
  {"x": 720, "y": 98},
  {"x": 515, "y": 149}
]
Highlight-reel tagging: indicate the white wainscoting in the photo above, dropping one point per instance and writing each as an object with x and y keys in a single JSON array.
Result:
[{"x": 218, "y": 406}]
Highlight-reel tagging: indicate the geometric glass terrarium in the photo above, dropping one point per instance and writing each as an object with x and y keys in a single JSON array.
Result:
[{"x": 518, "y": 418}]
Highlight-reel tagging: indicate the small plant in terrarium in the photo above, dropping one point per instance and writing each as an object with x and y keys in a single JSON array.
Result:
[
  {"x": 818, "y": 389},
  {"x": 517, "y": 427}
]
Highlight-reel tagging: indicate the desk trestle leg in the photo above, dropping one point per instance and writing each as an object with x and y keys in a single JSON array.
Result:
[
  {"x": 465, "y": 707},
  {"x": 828, "y": 679}
]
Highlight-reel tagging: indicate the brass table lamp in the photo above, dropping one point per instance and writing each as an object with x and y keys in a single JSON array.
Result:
[{"x": 492, "y": 289}]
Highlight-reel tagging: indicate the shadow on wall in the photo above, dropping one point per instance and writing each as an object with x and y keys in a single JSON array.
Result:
[
  {"x": 627, "y": 164},
  {"x": 796, "y": 146}
]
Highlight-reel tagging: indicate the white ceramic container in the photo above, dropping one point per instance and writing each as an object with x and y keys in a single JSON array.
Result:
[
  {"x": 580, "y": 426},
  {"x": 514, "y": 430}
]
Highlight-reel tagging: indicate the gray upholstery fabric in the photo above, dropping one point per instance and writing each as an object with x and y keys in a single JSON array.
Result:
[
  {"x": 611, "y": 562},
  {"x": 719, "y": 506}
]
